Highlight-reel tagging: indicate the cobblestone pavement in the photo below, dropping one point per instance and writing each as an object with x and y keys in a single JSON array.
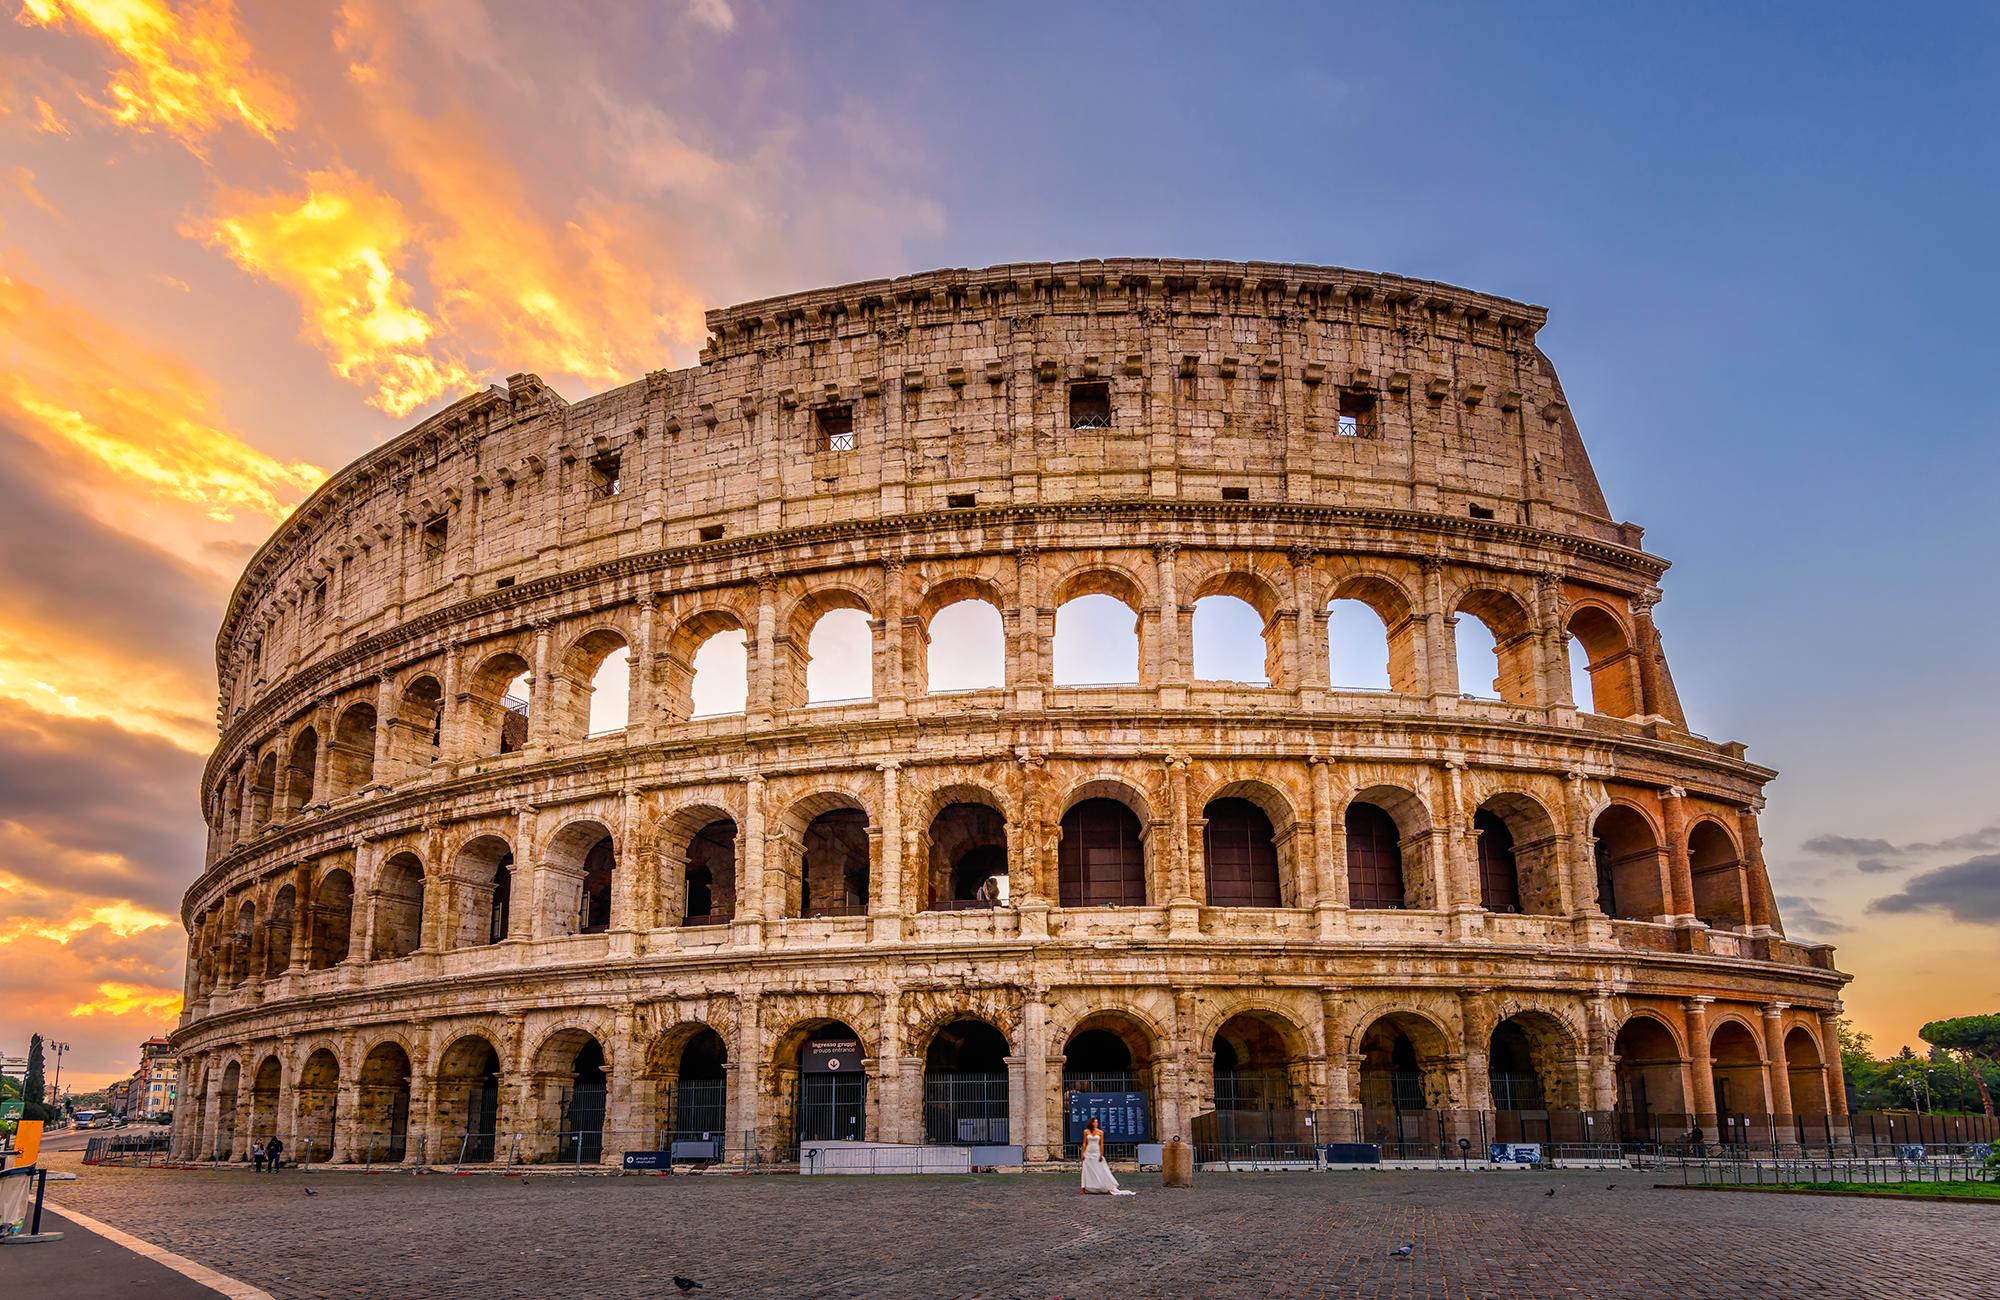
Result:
[{"x": 1249, "y": 1235}]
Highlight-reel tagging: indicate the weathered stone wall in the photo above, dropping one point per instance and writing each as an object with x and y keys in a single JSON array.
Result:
[{"x": 360, "y": 804}]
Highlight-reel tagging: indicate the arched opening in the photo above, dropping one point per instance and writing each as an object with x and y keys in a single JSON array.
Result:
[
  {"x": 399, "y": 908},
  {"x": 264, "y": 790},
  {"x": 965, "y": 1085},
  {"x": 1403, "y": 1078},
  {"x": 694, "y": 1095},
  {"x": 1240, "y": 855},
  {"x": 300, "y": 766},
  {"x": 1629, "y": 864},
  {"x": 1717, "y": 872},
  {"x": 265, "y": 1086},
  {"x": 1229, "y": 642},
  {"x": 1374, "y": 858},
  {"x": 318, "y": 1107},
  {"x": 225, "y": 1117},
  {"x": 1101, "y": 861},
  {"x": 1738, "y": 1066},
  {"x": 966, "y": 648},
  {"x": 243, "y": 943},
  {"x": 484, "y": 874},
  {"x": 830, "y": 1098},
  {"x": 468, "y": 1101},
  {"x": 350, "y": 759},
  {"x": 497, "y": 706},
  {"x": 1652, "y": 1104},
  {"x": 720, "y": 683},
  {"x": 709, "y": 878},
  {"x": 278, "y": 933},
  {"x": 1805, "y": 1073},
  {"x": 1519, "y": 868},
  {"x": 382, "y": 1115},
  {"x": 1357, "y": 640},
  {"x": 968, "y": 857},
  {"x": 582, "y": 859},
  {"x": 840, "y": 658},
  {"x": 1109, "y": 1071},
  {"x": 416, "y": 737},
  {"x": 332, "y": 920},
  {"x": 833, "y": 864},
  {"x": 1604, "y": 671},
  {"x": 1495, "y": 647},
  {"x": 1096, "y": 641}
]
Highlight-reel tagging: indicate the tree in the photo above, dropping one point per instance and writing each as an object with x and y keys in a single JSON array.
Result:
[
  {"x": 31, "y": 1084},
  {"x": 1974, "y": 1040}
]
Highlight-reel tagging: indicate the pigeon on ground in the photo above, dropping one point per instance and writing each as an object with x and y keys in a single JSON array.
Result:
[
  {"x": 1403, "y": 1251},
  {"x": 686, "y": 1283},
  {"x": 1550, "y": 1192},
  {"x": 311, "y": 1192}
]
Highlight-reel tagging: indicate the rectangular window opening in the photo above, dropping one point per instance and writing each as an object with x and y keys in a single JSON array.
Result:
[
  {"x": 1357, "y": 413},
  {"x": 961, "y": 500},
  {"x": 1236, "y": 494},
  {"x": 834, "y": 426},
  {"x": 712, "y": 532},
  {"x": 1090, "y": 406},
  {"x": 604, "y": 481}
]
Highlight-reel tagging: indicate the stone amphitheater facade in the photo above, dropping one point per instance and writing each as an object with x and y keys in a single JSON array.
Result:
[{"x": 421, "y": 919}]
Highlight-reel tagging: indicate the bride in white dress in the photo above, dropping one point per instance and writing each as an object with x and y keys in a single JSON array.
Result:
[{"x": 1097, "y": 1174}]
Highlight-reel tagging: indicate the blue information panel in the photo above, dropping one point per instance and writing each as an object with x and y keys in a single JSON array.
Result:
[{"x": 1122, "y": 1115}]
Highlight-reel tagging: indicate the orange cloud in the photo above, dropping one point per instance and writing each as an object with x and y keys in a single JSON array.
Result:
[
  {"x": 186, "y": 73},
  {"x": 340, "y": 248},
  {"x": 115, "y": 998},
  {"x": 79, "y": 384}
]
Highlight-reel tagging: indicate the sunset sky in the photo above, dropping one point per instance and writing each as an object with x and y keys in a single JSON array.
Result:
[{"x": 241, "y": 244}]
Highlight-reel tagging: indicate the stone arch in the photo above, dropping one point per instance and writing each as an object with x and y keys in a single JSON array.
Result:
[
  {"x": 581, "y": 859},
  {"x": 1631, "y": 864},
  {"x": 795, "y": 683},
  {"x": 398, "y": 894},
  {"x": 497, "y": 705},
  {"x": 1255, "y": 592},
  {"x": 1503, "y": 615},
  {"x": 697, "y": 683},
  {"x": 1611, "y": 664},
  {"x": 1392, "y": 606},
  {"x": 416, "y": 733},
  {"x": 382, "y": 1096},
  {"x": 470, "y": 1098},
  {"x": 278, "y": 932},
  {"x": 1519, "y": 852},
  {"x": 568, "y": 1090},
  {"x": 482, "y": 885},
  {"x": 350, "y": 757},
  {"x": 598, "y": 659},
  {"x": 1805, "y": 1072},
  {"x": 301, "y": 768},
  {"x": 332, "y": 920},
  {"x": 1715, "y": 866},
  {"x": 1388, "y": 831},
  {"x": 1066, "y": 668}
]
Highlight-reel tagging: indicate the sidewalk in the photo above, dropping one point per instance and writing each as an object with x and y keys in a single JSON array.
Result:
[{"x": 85, "y": 1266}]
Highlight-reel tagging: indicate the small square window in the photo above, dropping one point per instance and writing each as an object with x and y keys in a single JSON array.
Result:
[
  {"x": 1357, "y": 413},
  {"x": 604, "y": 482},
  {"x": 1236, "y": 494},
  {"x": 1480, "y": 512},
  {"x": 834, "y": 426},
  {"x": 961, "y": 500},
  {"x": 712, "y": 532},
  {"x": 1090, "y": 406},
  {"x": 437, "y": 531}
]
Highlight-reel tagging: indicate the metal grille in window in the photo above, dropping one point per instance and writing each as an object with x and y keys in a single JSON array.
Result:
[
  {"x": 1090, "y": 406},
  {"x": 835, "y": 426}
]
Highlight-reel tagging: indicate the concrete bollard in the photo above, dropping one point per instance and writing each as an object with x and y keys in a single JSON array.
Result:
[{"x": 1177, "y": 1164}]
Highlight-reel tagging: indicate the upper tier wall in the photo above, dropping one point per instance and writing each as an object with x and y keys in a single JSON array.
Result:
[{"x": 1221, "y": 376}]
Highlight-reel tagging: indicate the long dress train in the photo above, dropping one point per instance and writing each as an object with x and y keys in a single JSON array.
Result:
[{"x": 1097, "y": 1174}]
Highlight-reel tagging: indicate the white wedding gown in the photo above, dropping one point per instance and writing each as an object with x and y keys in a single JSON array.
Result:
[{"x": 1096, "y": 1174}]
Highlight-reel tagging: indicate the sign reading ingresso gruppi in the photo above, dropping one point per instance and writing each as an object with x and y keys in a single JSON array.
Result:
[{"x": 832, "y": 1056}]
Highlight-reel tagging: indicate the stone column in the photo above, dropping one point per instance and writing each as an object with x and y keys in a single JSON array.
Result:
[
  {"x": 643, "y": 707},
  {"x": 1777, "y": 1070},
  {"x": 1680, "y": 875},
  {"x": 885, "y": 892},
  {"x": 1701, "y": 1069}
]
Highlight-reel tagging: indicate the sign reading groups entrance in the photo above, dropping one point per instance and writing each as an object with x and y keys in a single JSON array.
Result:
[{"x": 832, "y": 1056}]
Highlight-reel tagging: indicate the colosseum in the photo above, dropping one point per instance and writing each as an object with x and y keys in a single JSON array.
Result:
[{"x": 540, "y": 827}]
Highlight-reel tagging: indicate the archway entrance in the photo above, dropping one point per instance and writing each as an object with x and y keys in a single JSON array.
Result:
[
  {"x": 832, "y": 1103},
  {"x": 468, "y": 1101},
  {"x": 1652, "y": 1104},
  {"x": 965, "y": 1085},
  {"x": 382, "y": 1123}
]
